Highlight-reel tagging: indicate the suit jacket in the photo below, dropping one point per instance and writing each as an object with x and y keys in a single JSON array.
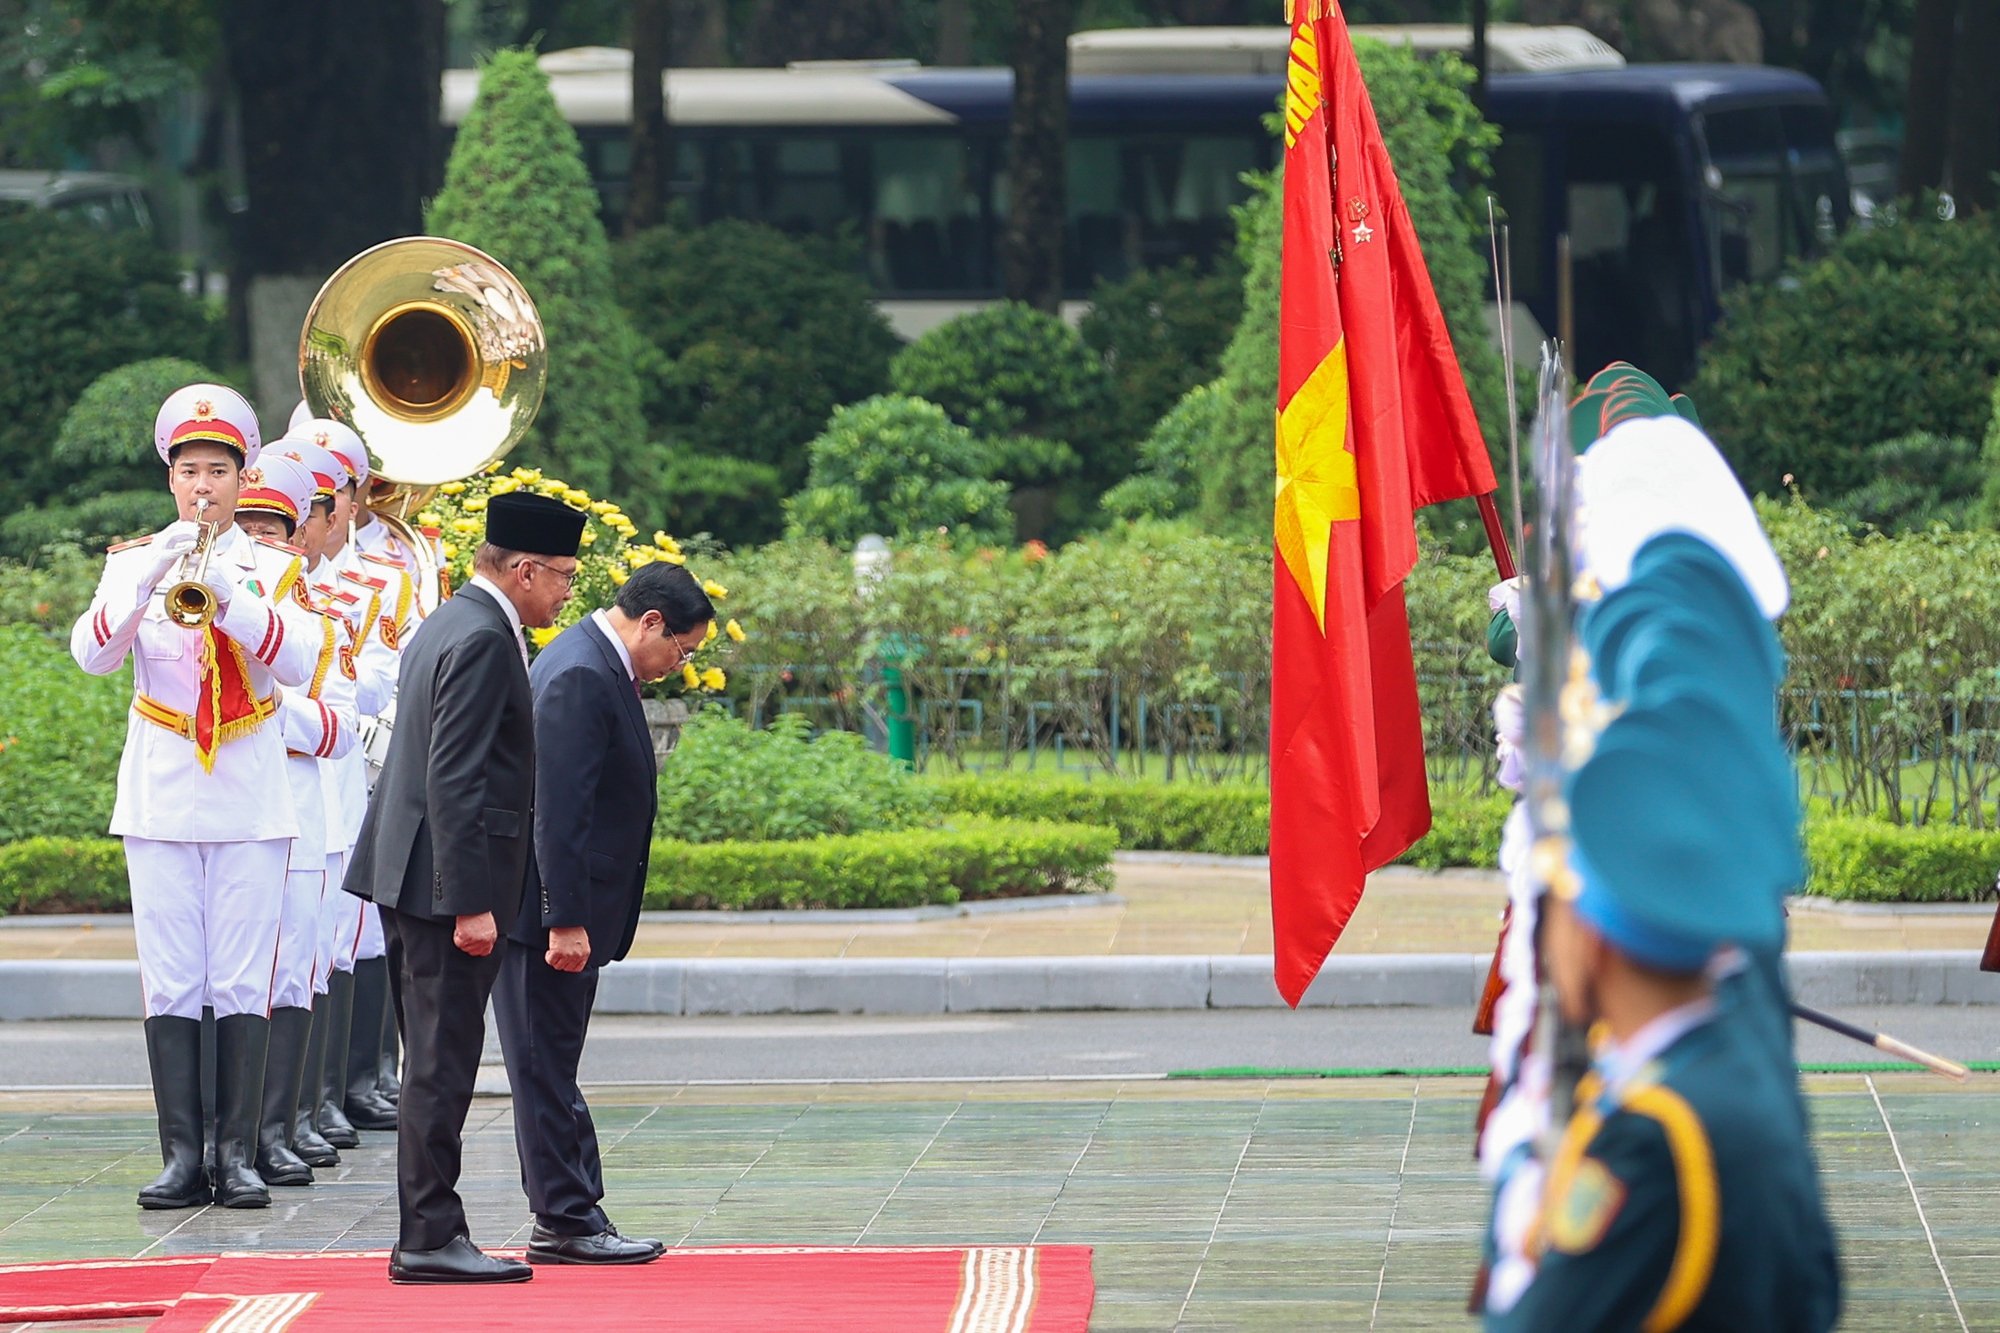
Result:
[
  {"x": 447, "y": 830},
  {"x": 595, "y": 771}
]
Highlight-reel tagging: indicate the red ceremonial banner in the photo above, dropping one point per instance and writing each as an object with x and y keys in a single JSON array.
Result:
[{"x": 1373, "y": 422}]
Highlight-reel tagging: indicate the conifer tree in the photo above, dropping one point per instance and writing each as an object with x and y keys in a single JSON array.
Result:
[{"x": 516, "y": 187}]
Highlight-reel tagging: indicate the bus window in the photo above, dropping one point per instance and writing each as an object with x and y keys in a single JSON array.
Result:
[
  {"x": 1518, "y": 184},
  {"x": 1634, "y": 288},
  {"x": 1142, "y": 200},
  {"x": 1756, "y": 228},
  {"x": 927, "y": 229}
]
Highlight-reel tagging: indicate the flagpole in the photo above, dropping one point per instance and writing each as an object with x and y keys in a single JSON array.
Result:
[{"x": 1496, "y": 535}]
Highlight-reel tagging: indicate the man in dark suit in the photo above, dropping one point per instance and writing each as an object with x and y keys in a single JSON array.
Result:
[
  {"x": 593, "y": 829},
  {"x": 445, "y": 850}
]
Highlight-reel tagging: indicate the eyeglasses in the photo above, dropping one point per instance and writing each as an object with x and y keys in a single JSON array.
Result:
[{"x": 569, "y": 578}]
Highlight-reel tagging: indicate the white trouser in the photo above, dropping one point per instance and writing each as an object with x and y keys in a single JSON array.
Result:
[
  {"x": 339, "y": 921},
  {"x": 298, "y": 940},
  {"x": 373, "y": 944},
  {"x": 206, "y": 917}
]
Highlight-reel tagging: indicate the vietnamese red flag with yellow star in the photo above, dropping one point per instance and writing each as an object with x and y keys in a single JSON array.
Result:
[{"x": 1373, "y": 423}]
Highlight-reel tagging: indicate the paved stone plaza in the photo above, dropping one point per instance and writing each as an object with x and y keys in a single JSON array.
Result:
[{"x": 1248, "y": 1205}]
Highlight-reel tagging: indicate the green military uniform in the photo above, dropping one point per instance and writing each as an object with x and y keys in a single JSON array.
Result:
[
  {"x": 1685, "y": 1199},
  {"x": 1684, "y": 1194}
]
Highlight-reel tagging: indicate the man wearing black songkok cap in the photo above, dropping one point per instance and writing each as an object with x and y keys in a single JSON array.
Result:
[{"x": 445, "y": 848}]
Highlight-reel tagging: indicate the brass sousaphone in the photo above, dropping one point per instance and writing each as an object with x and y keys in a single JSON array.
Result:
[{"x": 431, "y": 351}]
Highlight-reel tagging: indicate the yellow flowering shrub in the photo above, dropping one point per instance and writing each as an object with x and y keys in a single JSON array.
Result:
[{"x": 609, "y": 551}]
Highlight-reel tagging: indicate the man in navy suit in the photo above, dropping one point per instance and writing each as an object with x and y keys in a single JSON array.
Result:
[{"x": 596, "y": 799}]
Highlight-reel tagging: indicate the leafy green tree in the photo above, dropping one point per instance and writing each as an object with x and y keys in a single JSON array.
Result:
[
  {"x": 1025, "y": 382},
  {"x": 1160, "y": 332},
  {"x": 114, "y": 486},
  {"x": 1895, "y": 332},
  {"x": 516, "y": 187},
  {"x": 77, "y": 302},
  {"x": 898, "y": 466},
  {"x": 1919, "y": 480},
  {"x": 757, "y": 337}
]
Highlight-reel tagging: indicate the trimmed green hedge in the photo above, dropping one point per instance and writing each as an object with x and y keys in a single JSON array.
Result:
[
  {"x": 1856, "y": 859},
  {"x": 1867, "y": 860},
  {"x": 968, "y": 858},
  {"x": 1227, "y": 820},
  {"x": 43, "y": 876}
]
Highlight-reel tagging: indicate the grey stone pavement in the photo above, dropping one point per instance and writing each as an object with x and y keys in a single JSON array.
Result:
[
  {"x": 1241, "y": 1204},
  {"x": 646, "y": 1049}
]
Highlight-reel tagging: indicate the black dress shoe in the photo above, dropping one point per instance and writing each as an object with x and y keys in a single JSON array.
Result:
[
  {"x": 606, "y": 1247},
  {"x": 457, "y": 1260}
]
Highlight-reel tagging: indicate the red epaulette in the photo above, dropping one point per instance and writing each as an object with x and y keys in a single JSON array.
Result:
[
  {"x": 280, "y": 546},
  {"x": 126, "y": 546},
  {"x": 383, "y": 560},
  {"x": 339, "y": 594},
  {"x": 377, "y": 584}
]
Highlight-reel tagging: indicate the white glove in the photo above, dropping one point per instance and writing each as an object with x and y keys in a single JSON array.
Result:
[
  {"x": 1506, "y": 596},
  {"x": 221, "y": 581},
  {"x": 1510, "y": 724},
  {"x": 171, "y": 544}
]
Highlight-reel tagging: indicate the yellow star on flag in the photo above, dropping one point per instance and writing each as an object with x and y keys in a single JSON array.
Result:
[{"x": 1316, "y": 479}]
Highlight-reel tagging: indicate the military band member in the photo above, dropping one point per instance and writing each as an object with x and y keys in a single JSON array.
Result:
[
  {"x": 335, "y": 451},
  {"x": 288, "y": 507},
  {"x": 359, "y": 1091},
  {"x": 206, "y": 846}
]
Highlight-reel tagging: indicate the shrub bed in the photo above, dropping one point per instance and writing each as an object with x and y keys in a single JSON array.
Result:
[
  {"x": 1225, "y": 819},
  {"x": 1868, "y": 860},
  {"x": 966, "y": 858},
  {"x": 1228, "y": 820},
  {"x": 45, "y": 876}
]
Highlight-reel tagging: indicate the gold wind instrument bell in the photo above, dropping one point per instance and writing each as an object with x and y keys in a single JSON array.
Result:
[{"x": 190, "y": 603}]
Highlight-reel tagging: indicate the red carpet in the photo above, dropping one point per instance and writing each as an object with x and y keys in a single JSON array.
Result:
[{"x": 1000, "y": 1289}]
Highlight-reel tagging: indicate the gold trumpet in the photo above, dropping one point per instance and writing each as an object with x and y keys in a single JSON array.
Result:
[{"x": 190, "y": 603}]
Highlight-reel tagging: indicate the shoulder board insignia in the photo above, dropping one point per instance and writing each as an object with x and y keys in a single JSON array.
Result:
[
  {"x": 389, "y": 635},
  {"x": 1578, "y": 1220},
  {"x": 286, "y": 547},
  {"x": 378, "y": 585},
  {"x": 126, "y": 546},
  {"x": 341, "y": 595},
  {"x": 391, "y": 561}
]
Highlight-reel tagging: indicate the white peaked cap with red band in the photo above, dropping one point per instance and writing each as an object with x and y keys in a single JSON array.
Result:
[
  {"x": 277, "y": 485},
  {"x": 329, "y": 473},
  {"x": 210, "y": 414},
  {"x": 338, "y": 440},
  {"x": 300, "y": 416}
]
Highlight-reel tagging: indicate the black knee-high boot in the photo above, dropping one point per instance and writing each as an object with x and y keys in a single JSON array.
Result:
[
  {"x": 333, "y": 1122},
  {"x": 241, "y": 1041},
  {"x": 284, "y": 1065},
  {"x": 313, "y": 1150},
  {"x": 208, "y": 1090},
  {"x": 173, "y": 1050},
  {"x": 366, "y": 1108}
]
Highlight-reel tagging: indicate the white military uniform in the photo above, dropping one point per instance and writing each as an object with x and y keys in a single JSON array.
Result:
[{"x": 205, "y": 845}]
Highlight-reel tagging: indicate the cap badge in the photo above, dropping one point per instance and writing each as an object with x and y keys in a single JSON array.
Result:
[{"x": 204, "y": 409}]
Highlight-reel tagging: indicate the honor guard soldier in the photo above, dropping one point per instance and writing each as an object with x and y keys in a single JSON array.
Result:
[
  {"x": 1684, "y": 1194},
  {"x": 195, "y": 608}
]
